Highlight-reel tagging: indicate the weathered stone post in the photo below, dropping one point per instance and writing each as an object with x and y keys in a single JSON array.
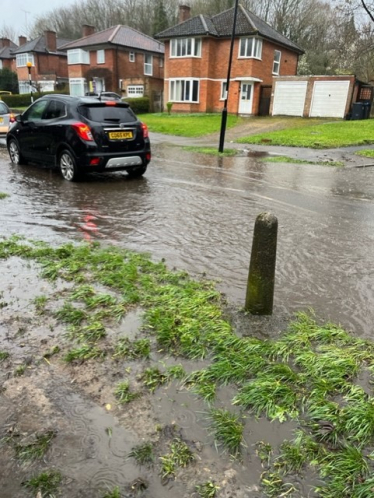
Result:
[{"x": 260, "y": 286}]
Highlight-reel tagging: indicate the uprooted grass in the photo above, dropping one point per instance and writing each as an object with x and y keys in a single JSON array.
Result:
[{"x": 308, "y": 375}]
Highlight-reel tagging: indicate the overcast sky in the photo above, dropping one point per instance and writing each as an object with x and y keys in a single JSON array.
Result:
[{"x": 21, "y": 14}]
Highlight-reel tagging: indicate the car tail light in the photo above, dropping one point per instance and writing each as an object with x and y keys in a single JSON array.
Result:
[
  {"x": 12, "y": 118},
  {"x": 145, "y": 130},
  {"x": 110, "y": 102},
  {"x": 148, "y": 156},
  {"x": 95, "y": 161},
  {"x": 84, "y": 131}
]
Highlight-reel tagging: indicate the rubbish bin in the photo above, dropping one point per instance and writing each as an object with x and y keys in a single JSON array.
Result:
[
  {"x": 358, "y": 110},
  {"x": 366, "y": 110}
]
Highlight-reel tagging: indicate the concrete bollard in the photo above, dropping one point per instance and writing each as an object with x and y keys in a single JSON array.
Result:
[{"x": 261, "y": 277}]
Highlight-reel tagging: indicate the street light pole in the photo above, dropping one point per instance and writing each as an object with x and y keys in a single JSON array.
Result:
[
  {"x": 224, "y": 110},
  {"x": 29, "y": 66}
]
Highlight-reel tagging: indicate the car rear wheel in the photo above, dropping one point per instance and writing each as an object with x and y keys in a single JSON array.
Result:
[
  {"x": 15, "y": 153},
  {"x": 137, "y": 172},
  {"x": 68, "y": 166}
]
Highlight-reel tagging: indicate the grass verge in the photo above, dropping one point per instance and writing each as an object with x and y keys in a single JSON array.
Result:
[
  {"x": 323, "y": 136},
  {"x": 310, "y": 374},
  {"x": 291, "y": 160}
]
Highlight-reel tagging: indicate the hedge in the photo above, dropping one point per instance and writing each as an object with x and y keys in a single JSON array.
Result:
[
  {"x": 139, "y": 105},
  {"x": 23, "y": 99}
]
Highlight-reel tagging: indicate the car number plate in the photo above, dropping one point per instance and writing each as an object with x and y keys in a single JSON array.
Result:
[
  {"x": 1, "y": 120},
  {"x": 120, "y": 135}
]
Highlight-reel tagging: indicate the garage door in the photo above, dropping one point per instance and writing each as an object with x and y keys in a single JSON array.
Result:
[
  {"x": 289, "y": 98},
  {"x": 329, "y": 99}
]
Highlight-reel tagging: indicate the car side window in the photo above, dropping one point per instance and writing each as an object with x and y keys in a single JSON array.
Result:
[
  {"x": 56, "y": 109},
  {"x": 35, "y": 112},
  {"x": 3, "y": 109}
]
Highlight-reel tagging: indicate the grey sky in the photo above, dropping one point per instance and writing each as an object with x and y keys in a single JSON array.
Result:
[{"x": 21, "y": 14}]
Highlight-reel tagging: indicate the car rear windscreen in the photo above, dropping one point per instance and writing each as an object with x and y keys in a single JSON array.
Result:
[{"x": 108, "y": 113}]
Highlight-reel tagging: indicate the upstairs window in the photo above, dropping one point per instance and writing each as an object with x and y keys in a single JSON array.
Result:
[
  {"x": 185, "y": 47},
  {"x": 148, "y": 64},
  {"x": 23, "y": 59},
  {"x": 276, "y": 62},
  {"x": 132, "y": 56},
  {"x": 250, "y": 48},
  {"x": 78, "y": 56},
  {"x": 100, "y": 56},
  {"x": 224, "y": 90}
]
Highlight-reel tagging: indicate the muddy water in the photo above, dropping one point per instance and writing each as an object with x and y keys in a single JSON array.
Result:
[{"x": 198, "y": 213}]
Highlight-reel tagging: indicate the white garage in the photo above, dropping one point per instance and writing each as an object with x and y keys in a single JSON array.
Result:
[
  {"x": 289, "y": 98},
  {"x": 329, "y": 99}
]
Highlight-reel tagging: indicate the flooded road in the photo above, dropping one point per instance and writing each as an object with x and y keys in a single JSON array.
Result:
[{"x": 198, "y": 212}]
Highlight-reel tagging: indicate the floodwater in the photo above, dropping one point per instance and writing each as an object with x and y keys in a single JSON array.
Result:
[{"x": 198, "y": 213}]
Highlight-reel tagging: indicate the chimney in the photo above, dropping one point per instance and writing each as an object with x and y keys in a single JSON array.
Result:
[
  {"x": 22, "y": 40},
  {"x": 50, "y": 41},
  {"x": 4, "y": 42},
  {"x": 184, "y": 13},
  {"x": 87, "y": 30}
]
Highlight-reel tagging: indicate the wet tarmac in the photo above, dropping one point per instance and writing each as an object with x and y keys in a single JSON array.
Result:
[{"x": 198, "y": 212}]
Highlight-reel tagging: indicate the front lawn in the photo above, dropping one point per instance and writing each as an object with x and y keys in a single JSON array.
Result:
[
  {"x": 323, "y": 136},
  {"x": 187, "y": 125}
]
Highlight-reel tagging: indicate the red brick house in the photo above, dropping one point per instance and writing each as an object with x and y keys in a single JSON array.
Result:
[
  {"x": 49, "y": 63},
  {"x": 6, "y": 55},
  {"x": 118, "y": 59},
  {"x": 197, "y": 56}
]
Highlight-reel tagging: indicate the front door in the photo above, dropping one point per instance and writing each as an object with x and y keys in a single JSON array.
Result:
[{"x": 246, "y": 97}]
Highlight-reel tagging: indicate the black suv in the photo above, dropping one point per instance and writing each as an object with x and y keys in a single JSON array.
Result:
[{"x": 80, "y": 134}]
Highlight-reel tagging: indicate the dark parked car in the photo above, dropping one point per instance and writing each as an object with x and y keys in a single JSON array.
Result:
[
  {"x": 80, "y": 135},
  {"x": 105, "y": 95}
]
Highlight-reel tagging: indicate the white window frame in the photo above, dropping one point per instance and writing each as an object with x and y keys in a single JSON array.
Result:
[
  {"x": 185, "y": 47},
  {"x": 23, "y": 59},
  {"x": 250, "y": 48},
  {"x": 148, "y": 66},
  {"x": 78, "y": 56},
  {"x": 1, "y": 64},
  {"x": 132, "y": 56},
  {"x": 100, "y": 56},
  {"x": 223, "y": 90},
  {"x": 79, "y": 83},
  {"x": 182, "y": 90},
  {"x": 277, "y": 61},
  {"x": 24, "y": 87},
  {"x": 134, "y": 91}
]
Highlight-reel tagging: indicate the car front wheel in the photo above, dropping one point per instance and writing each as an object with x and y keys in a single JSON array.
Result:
[
  {"x": 15, "y": 153},
  {"x": 68, "y": 166}
]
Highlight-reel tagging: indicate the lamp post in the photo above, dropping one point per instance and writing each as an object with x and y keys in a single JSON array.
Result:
[
  {"x": 29, "y": 66},
  {"x": 224, "y": 110}
]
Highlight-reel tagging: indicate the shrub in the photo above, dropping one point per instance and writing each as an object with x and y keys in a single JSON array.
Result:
[{"x": 139, "y": 105}]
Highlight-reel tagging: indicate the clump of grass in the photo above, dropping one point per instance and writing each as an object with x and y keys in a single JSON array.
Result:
[
  {"x": 211, "y": 151},
  {"x": 52, "y": 352},
  {"x": 264, "y": 452},
  {"x": 143, "y": 453},
  {"x": 3, "y": 355},
  {"x": 90, "y": 333},
  {"x": 83, "y": 353},
  {"x": 44, "y": 484},
  {"x": 3, "y": 195},
  {"x": 132, "y": 350},
  {"x": 35, "y": 449},
  {"x": 115, "y": 493},
  {"x": 227, "y": 429},
  {"x": 40, "y": 303},
  {"x": 69, "y": 314},
  {"x": 152, "y": 378},
  {"x": 267, "y": 395},
  {"x": 123, "y": 393},
  {"x": 180, "y": 456},
  {"x": 274, "y": 485},
  {"x": 207, "y": 490},
  {"x": 20, "y": 370}
]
